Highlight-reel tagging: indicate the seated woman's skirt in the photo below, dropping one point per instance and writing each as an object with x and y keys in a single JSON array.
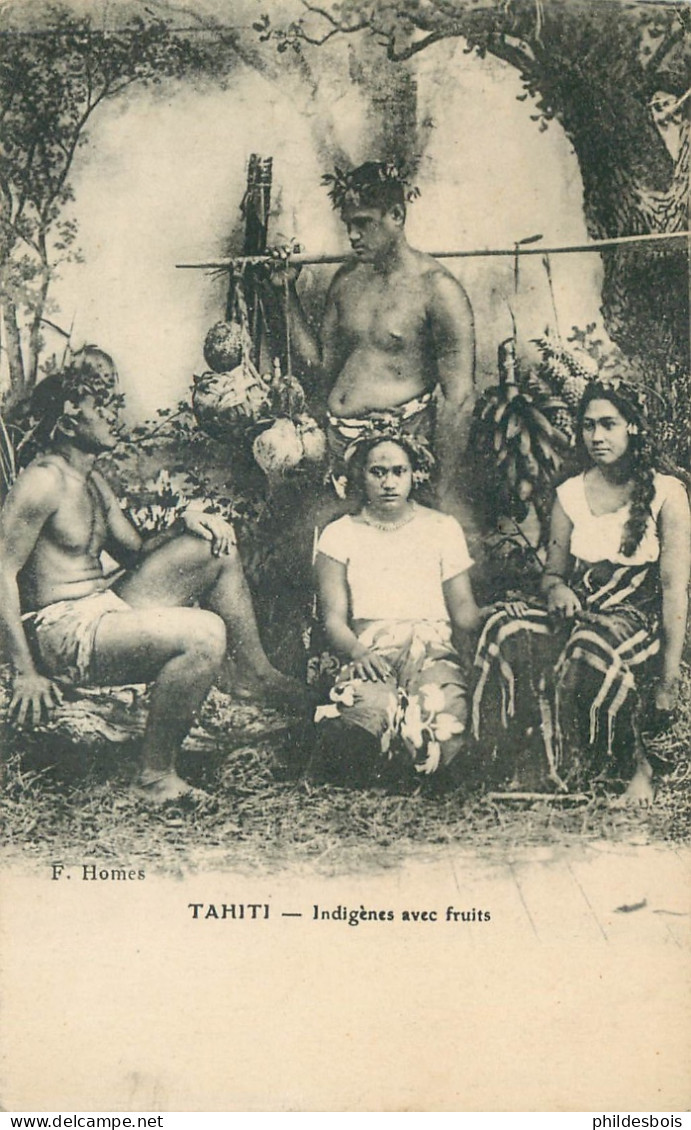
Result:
[
  {"x": 570, "y": 691},
  {"x": 415, "y": 720}
]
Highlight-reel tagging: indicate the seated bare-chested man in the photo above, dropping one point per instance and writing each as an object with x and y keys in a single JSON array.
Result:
[
  {"x": 64, "y": 618},
  {"x": 396, "y": 325}
]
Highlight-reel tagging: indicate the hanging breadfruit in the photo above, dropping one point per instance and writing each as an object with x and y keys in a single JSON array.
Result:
[
  {"x": 294, "y": 438},
  {"x": 233, "y": 395},
  {"x": 278, "y": 448},
  {"x": 225, "y": 346},
  {"x": 287, "y": 394},
  {"x": 313, "y": 439},
  {"x": 225, "y": 404},
  {"x": 234, "y": 403}
]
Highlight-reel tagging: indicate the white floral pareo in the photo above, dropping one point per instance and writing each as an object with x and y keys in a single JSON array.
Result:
[
  {"x": 425, "y": 724},
  {"x": 421, "y": 708}
]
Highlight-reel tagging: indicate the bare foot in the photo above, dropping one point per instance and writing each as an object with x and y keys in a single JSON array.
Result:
[
  {"x": 160, "y": 788},
  {"x": 266, "y": 684},
  {"x": 639, "y": 791},
  {"x": 273, "y": 688}
]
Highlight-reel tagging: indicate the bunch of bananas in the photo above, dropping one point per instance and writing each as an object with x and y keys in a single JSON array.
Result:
[{"x": 517, "y": 436}]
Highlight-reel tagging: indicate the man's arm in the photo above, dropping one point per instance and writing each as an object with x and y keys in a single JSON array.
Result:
[
  {"x": 31, "y": 502},
  {"x": 320, "y": 355},
  {"x": 281, "y": 280},
  {"x": 675, "y": 567},
  {"x": 126, "y": 545},
  {"x": 123, "y": 541},
  {"x": 304, "y": 341},
  {"x": 453, "y": 342}
]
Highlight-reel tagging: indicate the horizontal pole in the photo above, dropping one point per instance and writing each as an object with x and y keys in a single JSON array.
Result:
[{"x": 303, "y": 259}]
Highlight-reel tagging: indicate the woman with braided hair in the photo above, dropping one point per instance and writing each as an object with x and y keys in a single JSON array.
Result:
[{"x": 615, "y": 597}]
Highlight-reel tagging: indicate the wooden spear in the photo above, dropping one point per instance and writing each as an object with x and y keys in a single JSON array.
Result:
[{"x": 303, "y": 259}]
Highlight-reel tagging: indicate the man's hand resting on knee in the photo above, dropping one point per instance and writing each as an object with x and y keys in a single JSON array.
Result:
[{"x": 212, "y": 528}]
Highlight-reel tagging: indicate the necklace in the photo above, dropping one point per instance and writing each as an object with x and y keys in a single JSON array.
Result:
[{"x": 389, "y": 527}]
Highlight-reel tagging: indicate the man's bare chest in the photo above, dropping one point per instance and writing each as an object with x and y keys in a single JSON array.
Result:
[
  {"x": 389, "y": 317},
  {"x": 78, "y": 526}
]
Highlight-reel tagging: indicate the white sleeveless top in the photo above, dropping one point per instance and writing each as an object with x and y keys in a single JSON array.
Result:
[{"x": 597, "y": 537}]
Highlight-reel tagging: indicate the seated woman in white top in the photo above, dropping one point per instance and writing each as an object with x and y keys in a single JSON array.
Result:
[
  {"x": 615, "y": 590},
  {"x": 394, "y": 594}
]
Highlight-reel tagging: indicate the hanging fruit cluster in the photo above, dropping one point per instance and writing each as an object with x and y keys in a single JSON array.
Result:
[
  {"x": 565, "y": 374},
  {"x": 227, "y": 400},
  {"x": 292, "y": 437},
  {"x": 523, "y": 427},
  {"x": 234, "y": 402}
]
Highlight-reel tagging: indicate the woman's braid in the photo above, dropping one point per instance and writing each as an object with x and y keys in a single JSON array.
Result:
[{"x": 643, "y": 475}]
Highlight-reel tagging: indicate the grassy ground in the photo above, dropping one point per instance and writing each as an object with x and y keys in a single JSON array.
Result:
[{"x": 70, "y": 801}]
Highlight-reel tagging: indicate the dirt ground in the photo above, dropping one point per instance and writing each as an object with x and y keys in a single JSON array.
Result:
[{"x": 66, "y": 797}]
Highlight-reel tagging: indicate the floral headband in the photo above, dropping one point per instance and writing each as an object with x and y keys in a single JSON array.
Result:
[
  {"x": 364, "y": 184},
  {"x": 378, "y": 431},
  {"x": 633, "y": 394}
]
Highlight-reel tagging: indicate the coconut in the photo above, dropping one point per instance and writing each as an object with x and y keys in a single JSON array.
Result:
[
  {"x": 225, "y": 403},
  {"x": 223, "y": 346},
  {"x": 278, "y": 449},
  {"x": 313, "y": 439}
]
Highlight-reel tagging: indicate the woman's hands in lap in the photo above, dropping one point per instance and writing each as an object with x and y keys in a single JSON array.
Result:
[
  {"x": 370, "y": 665},
  {"x": 563, "y": 602}
]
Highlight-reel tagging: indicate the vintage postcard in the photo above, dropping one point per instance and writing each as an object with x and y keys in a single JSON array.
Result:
[{"x": 344, "y": 552}]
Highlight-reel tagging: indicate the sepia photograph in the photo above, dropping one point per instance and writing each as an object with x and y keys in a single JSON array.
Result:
[{"x": 345, "y": 546}]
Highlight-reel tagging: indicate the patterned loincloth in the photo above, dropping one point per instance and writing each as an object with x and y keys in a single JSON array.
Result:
[
  {"x": 63, "y": 634},
  {"x": 417, "y": 418}
]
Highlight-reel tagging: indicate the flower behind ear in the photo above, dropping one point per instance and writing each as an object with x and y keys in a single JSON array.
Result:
[{"x": 66, "y": 419}]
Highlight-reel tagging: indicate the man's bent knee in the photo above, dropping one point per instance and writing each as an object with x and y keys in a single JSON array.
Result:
[
  {"x": 189, "y": 555},
  {"x": 198, "y": 550},
  {"x": 205, "y": 638}
]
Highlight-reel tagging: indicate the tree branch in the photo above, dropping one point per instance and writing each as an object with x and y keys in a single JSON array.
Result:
[
  {"x": 416, "y": 46},
  {"x": 72, "y": 148},
  {"x": 336, "y": 26},
  {"x": 302, "y": 34},
  {"x": 25, "y": 188},
  {"x": 513, "y": 51},
  {"x": 670, "y": 41},
  {"x": 317, "y": 11},
  {"x": 18, "y": 234}
]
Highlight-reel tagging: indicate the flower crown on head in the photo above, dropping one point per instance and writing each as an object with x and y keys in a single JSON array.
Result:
[
  {"x": 364, "y": 184},
  {"x": 390, "y": 429},
  {"x": 634, "y": 394}
]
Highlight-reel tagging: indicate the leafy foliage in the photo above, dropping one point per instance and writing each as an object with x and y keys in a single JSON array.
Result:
[{"x": 523, "y": 438}]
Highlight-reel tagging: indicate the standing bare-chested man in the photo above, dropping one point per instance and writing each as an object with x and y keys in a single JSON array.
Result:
[
  {"x": 177, "y": 615},
  {"x": 396, "y": 325}
]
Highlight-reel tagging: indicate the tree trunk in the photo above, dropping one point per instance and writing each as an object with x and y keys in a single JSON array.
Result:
[
  {"x": 633, "y": 185},
  {"x": 15, "y": 358},
  {"x": 35, "y": 339}
]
